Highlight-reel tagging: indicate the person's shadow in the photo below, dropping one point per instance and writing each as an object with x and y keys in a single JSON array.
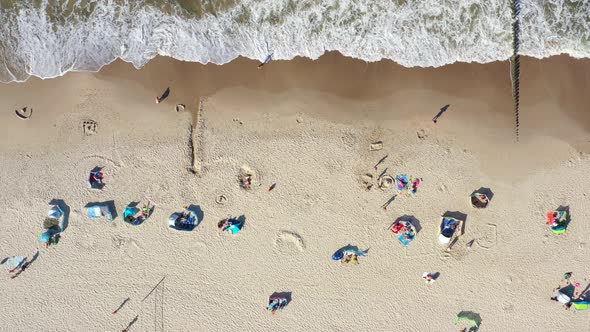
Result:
[
  {"x": 131, "y": 324},
  {"x": 164, "y": 95},
  {"x": 66, "y": 210},
  {"x": 440, "y": 113},
  {"x": 35, "y": 256}
]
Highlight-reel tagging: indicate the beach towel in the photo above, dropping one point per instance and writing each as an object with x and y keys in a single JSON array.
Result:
[
  {"x": 97, "y": 211},
  {"x": 406, "y": 231},
  {"x": 130, "y": 211},
  {"x": 414, "y": 185},
  {"x": 397, "y": 227},
  {"x": 558, "y": 229},
  {"x": 129, "y": 215},
  {"x": 580, "y": 305},
  {"x": 14, "y": 262},
  {"x": 401, "y": 181},
  {"x": 54, "y": 212},
  {"x": 550, "y": 218},
  {"x": 406, "y": 238},
  {"x": 234, "y": 229}
]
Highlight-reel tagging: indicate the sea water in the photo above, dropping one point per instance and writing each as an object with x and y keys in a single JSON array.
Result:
[{"x": 48, "y": 38}]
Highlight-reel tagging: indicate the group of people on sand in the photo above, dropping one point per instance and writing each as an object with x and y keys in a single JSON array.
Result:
[{"x": 570, "y": 293}]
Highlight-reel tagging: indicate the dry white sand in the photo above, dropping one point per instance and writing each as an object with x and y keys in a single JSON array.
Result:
[{"x": 305, "y": 126}]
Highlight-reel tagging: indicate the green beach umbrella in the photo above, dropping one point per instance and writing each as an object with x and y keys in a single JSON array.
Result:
[{"x": 469, "y": 316}]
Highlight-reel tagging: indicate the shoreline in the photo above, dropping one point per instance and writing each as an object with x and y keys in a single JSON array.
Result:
[{"x": 306, "y": 126}]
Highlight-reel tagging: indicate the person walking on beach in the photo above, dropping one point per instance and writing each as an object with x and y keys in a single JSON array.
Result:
[
  {"x": 267, "y": 60},
  {"x": 442, "y": 110}
]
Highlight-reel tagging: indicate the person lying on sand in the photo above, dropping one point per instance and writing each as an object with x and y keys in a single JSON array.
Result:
[
  {"x": 428, "y": 277},
  {"x": 183, "y": 218},
  {"x": 246, "y": 181}
]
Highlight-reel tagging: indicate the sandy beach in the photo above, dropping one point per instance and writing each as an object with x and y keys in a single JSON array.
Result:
[{"x": 305, "y": 126}]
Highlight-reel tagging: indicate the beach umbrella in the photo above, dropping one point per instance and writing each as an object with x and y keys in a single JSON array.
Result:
[{"x": 469, "y": 316}]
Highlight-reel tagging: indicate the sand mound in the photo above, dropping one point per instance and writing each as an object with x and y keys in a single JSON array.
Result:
[
  {"x": 289, "y": 242},
  {"x": 366, "y": 181},
  {"x": 248, "y": 178}
]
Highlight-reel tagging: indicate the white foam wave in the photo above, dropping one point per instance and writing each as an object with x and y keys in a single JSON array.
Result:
[
  {"x": 551, "y": 27},
  {"x": 409, "y": 32}
]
